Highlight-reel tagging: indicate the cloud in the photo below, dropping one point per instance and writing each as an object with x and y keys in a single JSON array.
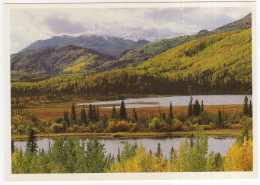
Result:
[
  {"x": 62, "y": 25},
  {"x": 29, "y": 25}
]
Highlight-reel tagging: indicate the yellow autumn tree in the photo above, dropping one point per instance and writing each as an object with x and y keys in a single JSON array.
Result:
[{"x": 239, "y": 157}]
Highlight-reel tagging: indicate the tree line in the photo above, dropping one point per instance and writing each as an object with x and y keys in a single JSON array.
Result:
[{"x": 72, "y": 156}]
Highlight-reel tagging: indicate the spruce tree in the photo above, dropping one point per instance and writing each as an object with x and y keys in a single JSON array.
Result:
[
  {"x": 170, "y": 111},
  {"x": 135, "y": 115},
  {"x": 202, "y": 106},
  {"x": 97, "y": 114},
  {"x": 66, "y": 119},
  {"x": 163, "y": 117},
  {"x": 192, "y": 140},
  {"x": 171, "y": 154},
  {"x": 122, "y": 111},
  {"x": 159, "y": 150},
  {"x": 73, "y": 114},
  {"x": 245, "y": 106},
  {"x": 90, "y": 113},
  {"x": 190, "y": 111},
  {"x": 94, "y": 113},
  {"x": 31, "y": 142},
  {"x": 219, "y": 119},
  {"x": 250, "y": 110},
  {"x": 12, "y": 145},
  {"x": 83, "y": 116},
  {"x": 196, "y": 108},
  {"x": 114, "y": 114}
]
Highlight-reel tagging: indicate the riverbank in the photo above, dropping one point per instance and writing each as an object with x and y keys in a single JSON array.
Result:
[
  {"x": 50, "y": 111},
  {"x": 134, "y": 135}
]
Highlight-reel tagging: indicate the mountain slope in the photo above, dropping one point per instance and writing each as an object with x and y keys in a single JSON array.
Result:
[
  {"x": 216, "y": 64},
  {"x": 135, "y": 56},
  {"x": 108, "y": 45},
  {"x": 55, "y": 60}
]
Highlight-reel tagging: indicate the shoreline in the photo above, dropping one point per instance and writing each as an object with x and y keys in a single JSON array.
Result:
[{"x": 136, "y": 135}]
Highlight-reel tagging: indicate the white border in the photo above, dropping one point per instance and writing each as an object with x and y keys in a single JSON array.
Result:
[{"x": 133, "y": 176}]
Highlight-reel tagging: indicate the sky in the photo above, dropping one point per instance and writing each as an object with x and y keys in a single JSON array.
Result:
[{"x": 30, "y": 25}]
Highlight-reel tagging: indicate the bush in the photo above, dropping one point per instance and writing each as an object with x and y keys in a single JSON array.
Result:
[
  {"x": 122, "y": 126},
  {"x": 227, "y": 125},
  {"x": 21, "y": 129},
  {"x": 237, "y": 126},
  {"x": 56, "y": 128},
  {"x": 178, "y": 125},
  {"x": 112, "y": 127},
  {"x": 58, "y": 119},
  {"x": 155, "y": 125},
  {"x": 70, "y": 130}
]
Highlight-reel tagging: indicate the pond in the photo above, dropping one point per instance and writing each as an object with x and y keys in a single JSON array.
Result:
[
  {"x": 176, "y": 101},
  {"x": 216, "y": 144}
]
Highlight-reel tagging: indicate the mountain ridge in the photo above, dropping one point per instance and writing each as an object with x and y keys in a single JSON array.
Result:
[{"x": 103, "y": 44}]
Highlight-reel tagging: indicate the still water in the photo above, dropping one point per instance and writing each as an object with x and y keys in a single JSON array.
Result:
[
  {"x": 176, "y": 101},
  {"x": 220, "y": 145}
]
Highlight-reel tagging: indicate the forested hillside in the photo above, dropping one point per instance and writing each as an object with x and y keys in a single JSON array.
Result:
[
  {"x": 44, "y": 62},
  {"x": 135, "y": 56},
  {"x": 216, "y": 64},
  {"x": 51, "y": 61}
]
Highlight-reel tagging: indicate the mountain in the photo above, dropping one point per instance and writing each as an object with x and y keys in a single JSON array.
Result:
[
  {"x": 108, "y": 45},
  {"x": 242, "y": 24},
  {"x": 135, "y": 56},
  {"x": 33, "y": 65},
  {"x": 49, "y": 61},
  {"x": 215, "y": 64}
]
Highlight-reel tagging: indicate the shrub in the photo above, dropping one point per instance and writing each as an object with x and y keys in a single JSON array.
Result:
[
  {"x": 21, "y": 129},
  {"x": 155, "y": 125},
  {"x": 122, "y": 126},
  {"x": 237, "y": 126},
  {"x": 55, "y": 128},
  {"x": 178, "y": 125},
  {"x": 70, "y": 130},
  {"x": 58, "y": 119}
]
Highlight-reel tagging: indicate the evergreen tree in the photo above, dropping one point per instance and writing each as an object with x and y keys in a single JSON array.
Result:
[
  {"x": 114, "y": 114},
  {"x": 90, "y": 113},
  {"x": 202, "y": 106},
  {"x": 219, "y": 119},
  {"x": 95, "y": 159},
  {"x": 94, "y": 113},
  {"x": 192, "y": 140},
  {"x": 190, "y": 111},
  {"x": 135, "y": 115},
  {"x": 31, "y": 141},
  {"x": 196, "y": 108},
  {"x": 170, "y": 111},
  {"x": 122, "y": 111},
  {"x": 66, "y": 119},
  {"x": 97, "y": 114},
  {"x": 118, "y": 155},
  {"x": 73, "y": 114},
  {"x": 245, "y": 106},
  {"x": 12, "y": 145},
  {"x": 218, "y": 162},
  {"x": 250, "y": 110},
  {"x": 163, "y": 117},
  {"x": 159, "y": 150},
  {"x": 83, "y": 116},
  {"x": 171, "y": 154}
]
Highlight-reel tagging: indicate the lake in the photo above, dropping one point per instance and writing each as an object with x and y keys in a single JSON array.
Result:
[
  {"x": 216, "y": 144},
  {"x": 176, "y": 101}
]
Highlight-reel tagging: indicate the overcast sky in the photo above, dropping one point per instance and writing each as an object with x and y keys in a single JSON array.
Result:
[{"x": 30, "y": 25}]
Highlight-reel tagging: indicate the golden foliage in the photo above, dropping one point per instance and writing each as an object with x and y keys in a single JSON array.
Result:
[{"x": 239, "y": 158}]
